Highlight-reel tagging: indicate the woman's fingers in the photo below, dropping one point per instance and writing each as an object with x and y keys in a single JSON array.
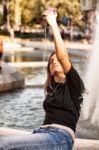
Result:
[
  {"x": 52, "y": 9},
  {"x": 45, "y": 13},
  {"x": 49, "y": 16},
  {"x": 49, "y": 11}
]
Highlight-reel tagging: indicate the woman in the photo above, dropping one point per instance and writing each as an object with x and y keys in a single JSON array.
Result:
[{"x": 64, "y": 89}]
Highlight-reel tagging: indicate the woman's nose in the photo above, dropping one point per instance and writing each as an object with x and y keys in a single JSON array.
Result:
[{"x": 54, "y": 62}]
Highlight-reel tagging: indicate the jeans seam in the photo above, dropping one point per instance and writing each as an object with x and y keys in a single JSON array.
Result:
[
  {"x": 69, "y": 138},
  {"x": 44, "y": 145}
]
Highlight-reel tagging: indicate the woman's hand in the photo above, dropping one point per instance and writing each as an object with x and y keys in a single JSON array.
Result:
[{"x": 50, "y": 16}]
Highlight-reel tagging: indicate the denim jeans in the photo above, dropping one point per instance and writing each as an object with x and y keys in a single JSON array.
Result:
[{"x": 44, "y": 138}]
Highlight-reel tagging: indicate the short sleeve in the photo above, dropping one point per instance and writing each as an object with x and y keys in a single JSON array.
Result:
[{"x": 76, "y": 85}]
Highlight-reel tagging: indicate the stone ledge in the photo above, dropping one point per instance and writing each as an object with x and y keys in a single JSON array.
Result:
[{"x": 10, "y": 78}]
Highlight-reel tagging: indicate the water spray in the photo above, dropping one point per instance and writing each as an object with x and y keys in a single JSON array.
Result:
[
  {"x": 45, "y": 24},
  {"x": 91, "y": 100}
]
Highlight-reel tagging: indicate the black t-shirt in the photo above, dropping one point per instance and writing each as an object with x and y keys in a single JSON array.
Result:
[{"x": 62, "y": 105}]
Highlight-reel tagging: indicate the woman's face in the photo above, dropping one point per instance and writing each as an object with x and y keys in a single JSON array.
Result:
[{"x": 55, "y": 66}]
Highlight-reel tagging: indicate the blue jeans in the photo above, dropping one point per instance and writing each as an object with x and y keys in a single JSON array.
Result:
[{"x": 44, "y": 138}]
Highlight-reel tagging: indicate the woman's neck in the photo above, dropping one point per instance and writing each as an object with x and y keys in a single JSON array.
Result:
[{"x": 60, "y": 77}]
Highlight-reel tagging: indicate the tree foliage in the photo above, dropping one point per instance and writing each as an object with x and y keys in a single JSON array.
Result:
[{"x": 31, "y": 10}]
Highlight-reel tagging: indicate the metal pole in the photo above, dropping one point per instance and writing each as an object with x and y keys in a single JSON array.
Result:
[
  {"x": 8, "y": 17},
  {"x": 17, "y": 14}
]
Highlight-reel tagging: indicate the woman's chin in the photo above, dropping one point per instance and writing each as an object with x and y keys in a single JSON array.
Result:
[{"x": 57, "y": 72}]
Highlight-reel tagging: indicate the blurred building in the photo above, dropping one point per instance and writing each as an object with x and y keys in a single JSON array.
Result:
[{"x": 89, "y": 9}]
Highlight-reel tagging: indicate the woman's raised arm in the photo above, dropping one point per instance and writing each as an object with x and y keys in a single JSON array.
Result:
[{"x": 50, "y": 16}]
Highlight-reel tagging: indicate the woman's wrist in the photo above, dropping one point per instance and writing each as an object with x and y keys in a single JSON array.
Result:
[
  {"x": 54, "y": 27},
  {"x": 53, "y": 24}
]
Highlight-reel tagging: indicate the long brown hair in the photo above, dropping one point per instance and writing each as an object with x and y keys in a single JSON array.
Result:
[
  {"x": 1, "y": 46},
  {"x": 50, "y": 78}
]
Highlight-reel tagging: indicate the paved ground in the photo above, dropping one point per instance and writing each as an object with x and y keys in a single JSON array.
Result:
[
  {"x": 45, "y": 42},
  {"x": 74, "y": 45}
]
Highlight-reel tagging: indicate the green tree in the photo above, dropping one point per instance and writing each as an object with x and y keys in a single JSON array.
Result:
[
  {"x": 31, "y": 10},
  {"x": 66, "y": 8}
]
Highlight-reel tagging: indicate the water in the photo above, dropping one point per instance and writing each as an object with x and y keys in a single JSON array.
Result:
[
  {"x": 91, "y": 100},
  {"x": 24, "y": 104},
  {"x": 22, "y": 109}
]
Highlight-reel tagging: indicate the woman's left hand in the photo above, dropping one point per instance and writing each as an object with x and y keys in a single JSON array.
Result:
[{"x": 50, "y": 16}]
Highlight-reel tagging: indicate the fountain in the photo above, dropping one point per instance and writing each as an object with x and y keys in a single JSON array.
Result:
[
  {"x": 91, "y": 102},
  {"x": 10, "y": 78}
]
